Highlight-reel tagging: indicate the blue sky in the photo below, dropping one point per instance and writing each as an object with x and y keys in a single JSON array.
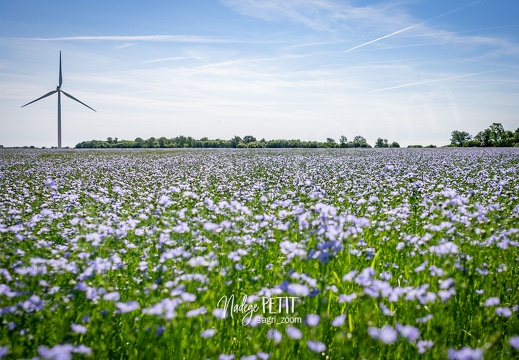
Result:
[{"x": 307, "y": 69}]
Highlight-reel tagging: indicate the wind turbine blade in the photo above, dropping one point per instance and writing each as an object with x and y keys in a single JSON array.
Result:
[
  {"x": 73, "y": 98},
  {"x": 60, "y": 75},
  {"x": 44, "y": 96}
]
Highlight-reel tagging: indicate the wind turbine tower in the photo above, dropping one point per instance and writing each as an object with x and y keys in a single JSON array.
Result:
[{"x": 59, "y": 91}]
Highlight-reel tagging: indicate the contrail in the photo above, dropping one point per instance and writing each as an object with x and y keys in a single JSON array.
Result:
[
  {"x": 436, "y": 80},
  {"x": 383, "y": 37},
  {"x": 412, "y": 26}
]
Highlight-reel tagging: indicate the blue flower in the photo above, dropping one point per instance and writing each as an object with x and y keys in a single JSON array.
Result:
[
  {"x": 312, "y": 319},
  {"x": 514, "y": 342},
  {"x": 226, "y": 357},
  {"x": 298, "y": 289},
  {"x": 78, "y": 329},
  {"x": 294, "y": 333},
  {"x": 206, "y": 334},
  {"x": 424, "y": 345},
  {"x": 339, "y": 320},
  {"x": 465, "y": 353},
  {"x": 316, "y": 346},
  {"x": 275, "y": 335},
  {"x": 387, "y": 334},
  {"x": 504, "y": 311},
  {"x": 408, "y": 332},
  {"x": 492, "y": 301},
  {"x": 127, "y": 307}
]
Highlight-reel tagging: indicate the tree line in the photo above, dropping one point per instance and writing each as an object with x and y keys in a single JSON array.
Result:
[
  {"x": 493, "y": 136},
  {"x": 247, "y": 141}
]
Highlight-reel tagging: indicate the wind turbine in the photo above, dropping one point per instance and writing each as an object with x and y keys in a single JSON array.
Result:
[{"x": 59, "y": 91}]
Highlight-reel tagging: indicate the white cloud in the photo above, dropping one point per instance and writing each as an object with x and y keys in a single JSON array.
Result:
[
  {"x": 169, "y": 59},
  {"x": 316, "y": 14},
  {"x": 123, "y": 46},
  {"x": 382, "y": 20},
  {"x": 149, "y": 38}
]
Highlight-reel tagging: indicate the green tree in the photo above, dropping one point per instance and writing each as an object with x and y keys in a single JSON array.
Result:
[
  {"x": 459, "y": 138},
  {"x": 381, "y": 143},
  {"x": 343, "y": 141},
  {"x": 152, "y": 143},
  {"x": 497, "y": 135},
  {"x": 515, "y": 137},
  {"x": 248, "y": 139},
  {"x": 163, "y": 142},
  {"x": 330, "y": 143},
  {"x": 235, "y": 141},
  {"x": 359, "y": 142},
  {"x": 483, "y": 137},
  {"x": 181, "y": 141}
]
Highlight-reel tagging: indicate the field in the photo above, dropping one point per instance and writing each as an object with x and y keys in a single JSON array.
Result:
[{"x": 256, "y": 254}]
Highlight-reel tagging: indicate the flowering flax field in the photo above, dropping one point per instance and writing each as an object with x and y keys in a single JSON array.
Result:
[{"x": 256, "y": 254}]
